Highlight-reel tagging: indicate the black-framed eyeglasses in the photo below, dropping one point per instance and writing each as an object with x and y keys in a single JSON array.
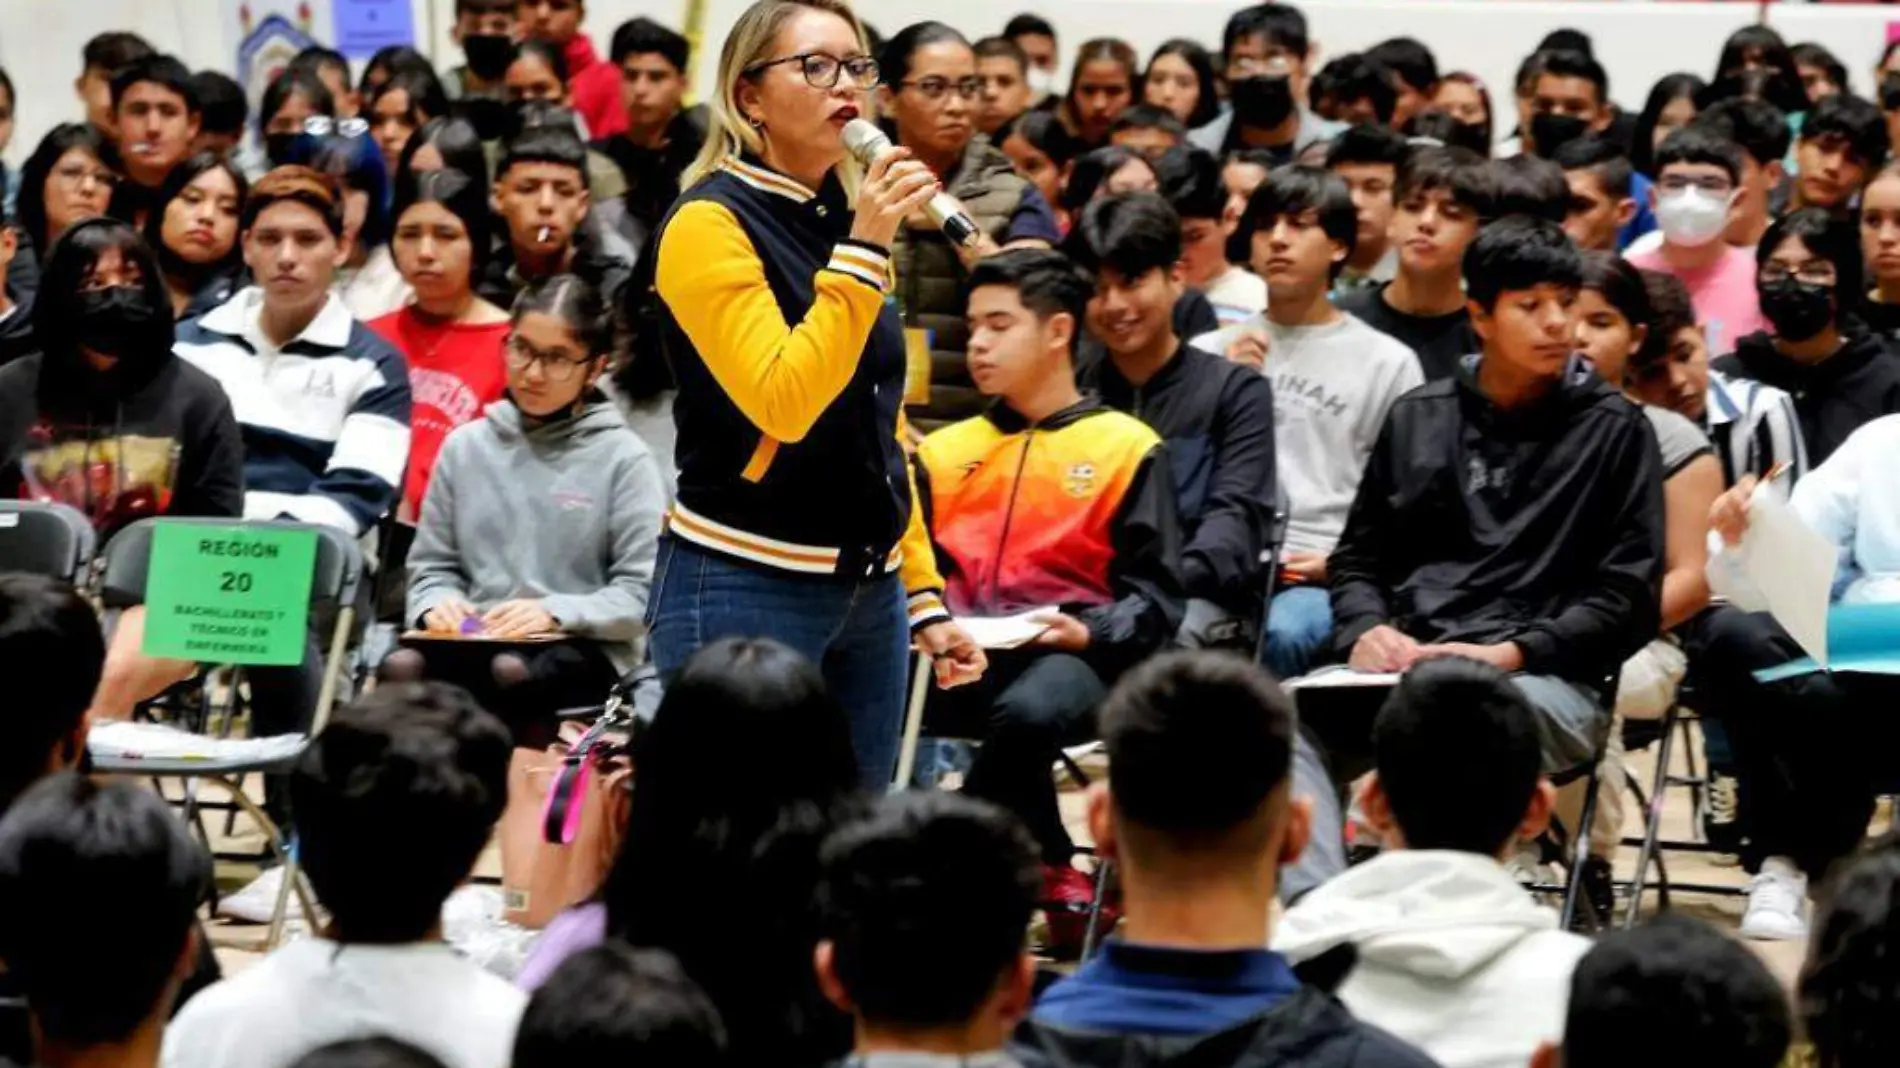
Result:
[
  {"x": 933, "y": 88},
  {"x": 821, "y": 71},
  {"x": 520, "y": 355}
]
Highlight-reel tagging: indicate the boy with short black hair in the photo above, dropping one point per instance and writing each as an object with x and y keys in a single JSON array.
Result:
[
  {"x": 1004, "y": 68},
  {"x": 223, "y": 114},
  {"x": 1334, "y": 378},
  {"x": 1368, "y": 159},
  {"x": 1147, "y": 129},
  {"x": 1570, "y": 97},
  {"x": 156, "y": 110},
  {"x": 101, "y": 60},
  {"x": 1441, "y": 198},
  {"x": 1190, "y": 980},
  {"x": 407, "y": 757},
  {"x": 1843, "y": 144},
  {"x": 1036, "y": 36},
  {"x": 593, "y": 84},
  {"x": 1414, "y": 73},
  {"x": 332, "y": 68},
  {"x": 1599, "y": 174},
  {"x": 486, "y": 32},
  {"x": 1199, "y": 196},
  {"x": 1352, "y": 90},
  {"x": 613, "y": 1004},
  {"x": 662, "y": 137},
  {"x": 1762, "y": 131},
  {"x": 1698, "y": 179},
  {"x": 1440, "y": 887},
  {"x": 1266, "y": 49},
  {"x": 1528, "y": 185},
  {"x": 1690, "y": 991},
  {"x": 542, "y": 192},
  {"x": 925, "y": 907},
  {"x": 1512, "y": 514}
]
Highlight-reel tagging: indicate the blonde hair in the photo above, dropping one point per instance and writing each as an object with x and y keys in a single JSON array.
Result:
[{"x": 728, "y": 133}]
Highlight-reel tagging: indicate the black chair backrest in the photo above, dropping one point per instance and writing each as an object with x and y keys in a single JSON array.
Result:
[
  {"x": 40, "y": 538},
  {"x": 128, "y": 559}
]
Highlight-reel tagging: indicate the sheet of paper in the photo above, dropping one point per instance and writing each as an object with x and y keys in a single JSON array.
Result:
[
  {"x": 1793, "y": 567},
  {"x": 1004, "y": 632},
  {"x": 1861, "y": 638},
  {"x": 120, "y": 740},
  {"x": 1328, "y": 678}
]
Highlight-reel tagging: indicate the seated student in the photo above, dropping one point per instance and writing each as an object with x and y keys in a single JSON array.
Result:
[
  {"x": 1353, "y": 91},
  {"x": 450, "y": 338},
  {"x": 99, "y": 993},
  {"x": 541, "y": 193},
  {"x": 1453, "y": 955},
  {"x": 542, "y": 518},
  {"x": 1041, "y": 149},
  {"x": 290, "y": 101},
  {"x": 1513, "y": 515},
  {"x": 1414, "y": 73},
  {"x": 662, "y": 135},
  {"x": 1148, "y": 130},
  {"x": 1334, "y": 379},
  {"x": 1762, "y": 131},
  {"x": 485, "y": 31},
  {"x": 223, "y": 114},
  {"x": 926, "y": 907},
  {"x": 157, "y": 117},
  {"x": 1004, "y": 68},
  {"x": 1195, "y": 191},
  {"x": 193, "y": 227},
  {"x": 1037, "y": 38},
  {"x": 1093, "y": 524},
  {"x": 1529, "y": 185},
  {"x": 1843, "y": 144},
  {"x": 1266, "y": 49},
  {"x": 615, "y": 1005},
  {"x": 1215, "y": 415},
  {"x": 1190, "y": 979},
  {"x": 1368, "y": 159},
  {"x": 1569, "y": 97},
  {"x": 595, "y": 84},
  {"x": 1697, "y": 187},
  {"x": 1441, "y": 198},
  {"x": 398, "y": 108},
  {"x": 1808, "y": 275},
  {"x": 1241, "y": 173},
  {"x": 101, "y": 60},
  {"x": 1599, "y": 174},
  {"x": 1672, "y": 991},
  {"x": 332, "y": 68},
  {"x": 406, "y": 758},
  {"x": 536, "y": 83},
  {"x": 1880, "y": 241}
]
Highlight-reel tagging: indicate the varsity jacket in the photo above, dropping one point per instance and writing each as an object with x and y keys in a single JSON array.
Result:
[
  {"x": 790, "y": 361},
  {"x": 325, "y": 418},
  {"x": 1075, "y": 512}
]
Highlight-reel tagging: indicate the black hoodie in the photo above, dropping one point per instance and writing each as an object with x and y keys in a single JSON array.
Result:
[
  {"x": 152, "y": 437},
  {"x": 1833, "y": 398},
  {"x": 1541, "y": 526}
]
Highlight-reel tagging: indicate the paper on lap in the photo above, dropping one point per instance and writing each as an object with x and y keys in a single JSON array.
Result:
[{"x": 1005, "y": 632}]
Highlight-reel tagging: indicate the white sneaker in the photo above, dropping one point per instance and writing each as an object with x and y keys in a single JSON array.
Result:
[
  {"x": 1777, "y": 903},
  {"x": 256, "y": 902}
]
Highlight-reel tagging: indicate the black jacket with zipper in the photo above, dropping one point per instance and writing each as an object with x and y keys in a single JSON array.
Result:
[
  {"x": 1834, "y": 397},
  {"x": 1541, "y": 526},
  {"x": 1217, "y": 419}
]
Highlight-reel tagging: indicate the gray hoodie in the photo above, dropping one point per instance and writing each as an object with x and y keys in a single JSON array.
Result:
[{"x": 568, "y": 512}]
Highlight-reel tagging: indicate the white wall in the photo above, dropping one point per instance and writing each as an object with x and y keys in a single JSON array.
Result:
[{"x": 1638, "y": 42}]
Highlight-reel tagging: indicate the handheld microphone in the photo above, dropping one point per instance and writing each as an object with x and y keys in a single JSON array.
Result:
[{"x": 866, "y": 143}]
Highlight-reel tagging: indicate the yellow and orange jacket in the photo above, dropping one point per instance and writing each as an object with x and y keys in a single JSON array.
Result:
[{"x": 1075, "y": 512}]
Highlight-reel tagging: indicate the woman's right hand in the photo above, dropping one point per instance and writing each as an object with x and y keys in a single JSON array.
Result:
[
  {"x": 447, "y": 617},
  {"x": 1728, "y": 516},
  {"x": 894, "y": 187}
]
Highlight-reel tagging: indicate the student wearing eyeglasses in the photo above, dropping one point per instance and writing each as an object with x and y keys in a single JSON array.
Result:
[
  {"x": 931, "y": 93},
  {"x": 796, "y": 518}
]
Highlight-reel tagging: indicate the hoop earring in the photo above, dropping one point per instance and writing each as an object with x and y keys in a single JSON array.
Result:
[{"x": 755, "y": 122}]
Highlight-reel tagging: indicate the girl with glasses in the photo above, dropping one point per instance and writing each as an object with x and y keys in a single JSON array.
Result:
[{"x": 65, "y": 180}]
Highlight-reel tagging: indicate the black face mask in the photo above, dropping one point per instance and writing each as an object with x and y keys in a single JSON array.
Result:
[
  {"x": 1798, "y": 309},
  {"x": 277, "y": 147},
  {"x": 1471, "y": 135},
  {"x": 489, "y": 117},
  {"x": 1263, "y": 101},
  {"x": 114, "y": 321},
  {"x": 488, "y": 55},
  {"x": 1550, "y": 132}
]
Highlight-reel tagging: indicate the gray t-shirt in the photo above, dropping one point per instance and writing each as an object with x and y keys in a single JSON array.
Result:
[{"x": 1679, "y": 439}]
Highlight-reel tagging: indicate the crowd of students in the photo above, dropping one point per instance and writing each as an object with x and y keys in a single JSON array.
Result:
[{"x": 1341, "y": 364}]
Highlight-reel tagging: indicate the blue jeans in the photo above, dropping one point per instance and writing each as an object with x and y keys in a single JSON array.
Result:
[
  {"x": 857, "y": 633},
  {"x": 1299, "y": 624}
]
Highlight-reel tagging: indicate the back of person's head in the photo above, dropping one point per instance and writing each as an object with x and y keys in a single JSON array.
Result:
[
  {"x": 1092, "y": 172},
  {"x": 1199, "y": 753},
  {"x": 1192, "y": 184},
  {"x": 456, "y": 140},
  {"x": 298, "y": 185},
  {"x": 1671, "y": 308},
  {"x": 114, "y": 50},
  {"x": 115, "y": 854},
  {"x": 612, "y": 1004},
  {"x": 926, "y": 903},
  {"x": 1458, "y": 713},
  {"x": 368, "y": 1053},
  {"x": 1349, "y": 79},
  {"x": 553, "y": 143},
  {"x": 1529, "y": 185},
  {"x": 1366, "y": 143},
  {"x": 1130, "y": 234},
  {"x": 1847, "y": 988},
  {"x": 1148, "y": 117},
  {"x": 409, "y": 756},
  {"x": 1294, "y": 190},
  {"x": 1408, "y": 58},
  {"x": 1280, "y": 25},
  {"x": 1826, "y": 237},
  {"x": 1700, "y": 144},
  {"x": 642, "y": 36},
  {"x": 1756, "y": 125},
  {"x": 1673, "y": 991},
  {"x": 1603, "y": 157},
  {"x": 1047, "y": 282},
  {"x": 1519, "y": 252},
  {"x": 1855, "y": 121},
  {"x": 1460, "y": 173},
  {"x": 48, "y": 633},
  {"x": 159, "y": 70},
  {"x": 222, "y": 107}
]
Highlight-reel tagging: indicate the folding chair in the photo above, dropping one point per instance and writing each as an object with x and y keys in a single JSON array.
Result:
[
  {"x": 1270, "y": 559},
  {"x": 1677, "y": 722},
  {"x": 333, "y": 588},
  {"x": 45, "y": 538}
]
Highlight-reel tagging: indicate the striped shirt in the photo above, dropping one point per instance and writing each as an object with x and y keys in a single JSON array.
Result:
[
  {"x": 1753, "y": 427},
  {"x": 325, "y": 416}
]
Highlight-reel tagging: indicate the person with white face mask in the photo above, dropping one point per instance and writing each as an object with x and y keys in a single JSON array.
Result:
[{"x": 1698, "y": 179}]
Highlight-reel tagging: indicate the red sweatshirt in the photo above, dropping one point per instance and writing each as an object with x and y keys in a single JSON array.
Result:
[
  {"x": 455, "y": 372},
  {"x": 594, "y": 85}
]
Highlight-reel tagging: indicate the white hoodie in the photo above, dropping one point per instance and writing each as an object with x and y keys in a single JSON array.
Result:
[{"x": 1454, "y": 956}]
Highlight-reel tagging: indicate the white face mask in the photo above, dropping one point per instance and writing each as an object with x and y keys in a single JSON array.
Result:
[
  {"x": 1692, "y": 218},
  {"x": 1041, "y": 82}
]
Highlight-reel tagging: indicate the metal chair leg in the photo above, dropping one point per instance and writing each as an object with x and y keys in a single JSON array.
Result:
[
  {"x": 1652, "y": 825},
  {"x": 1096, "y": 901},
  {"x": 1580, "y": 850}
]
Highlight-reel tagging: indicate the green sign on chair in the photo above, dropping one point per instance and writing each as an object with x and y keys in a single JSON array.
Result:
[{"x": 229, "y": 595}]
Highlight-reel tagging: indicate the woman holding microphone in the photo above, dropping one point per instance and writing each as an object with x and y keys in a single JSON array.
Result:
[{"x": 796, "y": 515}]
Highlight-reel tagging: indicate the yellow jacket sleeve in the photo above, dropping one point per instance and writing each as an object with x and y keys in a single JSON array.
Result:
[
  {"x": 781, "y": 375},
  {"x": 922, "y": 583}
]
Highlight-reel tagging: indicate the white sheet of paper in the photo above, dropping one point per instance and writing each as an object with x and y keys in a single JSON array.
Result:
[
  {"x": 1328, "y": 678},
  {"x": 1793, "y": 567},
  {"x": 1004, "y": 632}
]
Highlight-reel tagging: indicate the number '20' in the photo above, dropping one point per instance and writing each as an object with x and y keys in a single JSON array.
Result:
[{"x": 235, "y": 582}]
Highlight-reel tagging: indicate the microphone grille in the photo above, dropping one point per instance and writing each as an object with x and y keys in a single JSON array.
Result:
[{"x": 864, "y": 140}]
